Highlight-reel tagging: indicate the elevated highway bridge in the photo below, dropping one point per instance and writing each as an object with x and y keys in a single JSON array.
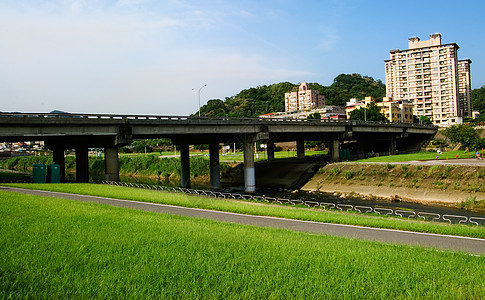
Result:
[{"x": 61, "y": 132}]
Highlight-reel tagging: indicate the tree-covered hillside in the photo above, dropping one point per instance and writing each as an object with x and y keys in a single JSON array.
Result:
[
  {"x": 478, "y": 100},
  {"x": 264, "y": 99}
]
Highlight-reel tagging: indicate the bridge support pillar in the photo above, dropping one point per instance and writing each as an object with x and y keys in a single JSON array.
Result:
[
  {"x": 392, "y": 146},
  {"x": 58, "y": 158},
  {"x": 249, "y": 173},
  {"x": 184, "y": 166},
  {"x": 215, "y": 176},
  {"x": 334, "y": 149},
  {"x": 82, "y": 164},
  {"x": 270, "y": 149},
  {"x": 300, "y": 149},
  {"x": 111, "y": 164}
]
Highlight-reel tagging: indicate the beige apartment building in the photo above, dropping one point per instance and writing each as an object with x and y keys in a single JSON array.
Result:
[
  {"x": 303, "y": 100},
  {"x": 430, "y": 76},
  {"x": 394, "y": 111}
]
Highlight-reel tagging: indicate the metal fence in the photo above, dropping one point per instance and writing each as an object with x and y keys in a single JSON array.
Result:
[{"x": 408, "y": 214}]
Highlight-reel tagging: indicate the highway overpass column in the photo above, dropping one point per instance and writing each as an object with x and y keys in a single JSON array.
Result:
[
  {"x": 111, "y": 164},
  {"x": 270, "y": 149},
  {"x": 392, "y": 146},
  {"x": 184, "y": 166},
  {"x": 334, "y": 149},
  {"x": 249, "y": 174},
  {"x": 300, "y": 149},
  {"x": 58, "y": 158},
  {"x": 82, "y": 164},
  {"x": 215, "y": 176}
]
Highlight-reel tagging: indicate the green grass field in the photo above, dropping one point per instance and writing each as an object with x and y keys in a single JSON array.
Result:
[
  {"x": 421, "y": 156},
  {"x": 60, "y": 249},
  {"x": 244, "y": 207}
]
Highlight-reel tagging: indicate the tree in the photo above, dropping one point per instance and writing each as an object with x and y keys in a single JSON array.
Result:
[
  {"x": 346, "y": 86},
  {"x": 425, "y": 120},
  {"x": 256, "y": 101},
  {"x": 314, "y": 116},
  {"x": 370, "y": 113},
  {"x": 466, "y": 135},
  {"x": 478, "y": 100}
]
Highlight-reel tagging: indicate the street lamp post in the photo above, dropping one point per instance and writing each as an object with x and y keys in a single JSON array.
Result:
[{"x": 199, "y": 95}]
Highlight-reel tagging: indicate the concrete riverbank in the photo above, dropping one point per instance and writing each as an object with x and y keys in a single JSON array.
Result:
[{"x": 433, "y": 182}]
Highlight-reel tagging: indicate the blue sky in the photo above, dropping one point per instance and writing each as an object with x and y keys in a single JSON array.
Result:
[{"x": 147, "y": 56}]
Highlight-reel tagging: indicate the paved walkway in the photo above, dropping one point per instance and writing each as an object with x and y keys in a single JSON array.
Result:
[{"x": 456, "y": 243}]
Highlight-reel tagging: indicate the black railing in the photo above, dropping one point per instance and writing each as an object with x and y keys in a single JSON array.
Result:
[{"x": 407, "y": 214}]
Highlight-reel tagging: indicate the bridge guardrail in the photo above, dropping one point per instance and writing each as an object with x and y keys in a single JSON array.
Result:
[
  {"x": 258, "y": 120},
  {"x": 425, "y": 216}
]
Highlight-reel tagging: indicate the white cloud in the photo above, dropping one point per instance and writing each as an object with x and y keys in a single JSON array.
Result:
[{"x": 121, "y": 62}]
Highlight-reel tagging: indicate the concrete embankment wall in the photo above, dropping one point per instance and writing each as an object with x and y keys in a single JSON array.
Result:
[{"x": 412, "y": 182}]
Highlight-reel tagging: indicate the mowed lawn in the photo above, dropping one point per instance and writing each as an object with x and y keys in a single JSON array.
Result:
[{"x": 55, "y": 248}]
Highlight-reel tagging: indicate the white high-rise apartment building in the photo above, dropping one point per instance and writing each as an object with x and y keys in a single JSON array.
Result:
[
  {"x": 465, "y": 87},
  {"x": 430, "y": 76}
]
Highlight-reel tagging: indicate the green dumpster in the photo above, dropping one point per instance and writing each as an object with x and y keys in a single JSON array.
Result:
[
  {"x": 39, "y": 173},
  {"x": 53, "y": 173}
]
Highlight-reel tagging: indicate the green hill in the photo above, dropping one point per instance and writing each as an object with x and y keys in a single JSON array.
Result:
[{"x": 264, "y": 99}]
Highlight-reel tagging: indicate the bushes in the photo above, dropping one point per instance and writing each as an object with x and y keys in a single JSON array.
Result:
[
  {"x": 139, "y": 165},
  {"x": 166, "y": 166},
  {"x": 24, "y": 163}
]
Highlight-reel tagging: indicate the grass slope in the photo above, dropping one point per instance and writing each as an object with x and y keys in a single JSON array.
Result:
[
  {"x": 468, "y": 179},
  {"x": 299, "y": 213},
  {"x": 55, "y": 248}
]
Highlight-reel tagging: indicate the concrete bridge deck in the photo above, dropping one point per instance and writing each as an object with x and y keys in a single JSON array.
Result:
[{"x": 83, "y": 131}]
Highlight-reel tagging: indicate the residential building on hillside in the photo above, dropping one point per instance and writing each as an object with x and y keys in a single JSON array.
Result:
[
  {"x": 394, "y": 111},
  {"x": 303, "y": 99},
  {"x": 430, "y": 76},
  {"x": 465, "y": 87},
  {"x": 326, "y": 113}
]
